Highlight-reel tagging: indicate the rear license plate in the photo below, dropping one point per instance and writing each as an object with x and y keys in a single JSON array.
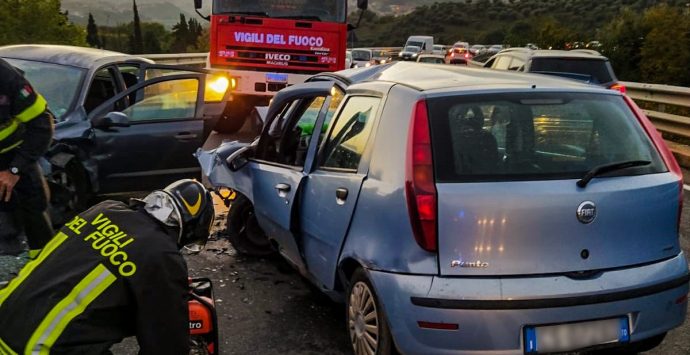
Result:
[
  {"x": 276, "y": 78},
  {"x": 575, "y": 336}
]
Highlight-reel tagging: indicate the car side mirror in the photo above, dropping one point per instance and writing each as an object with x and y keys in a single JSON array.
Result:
[
  {"x": 239, "y": 158},
  {"x": 110, "y": 120},
  {"x": 198, "y": 4},
  {"x": 363, "y": 4}
]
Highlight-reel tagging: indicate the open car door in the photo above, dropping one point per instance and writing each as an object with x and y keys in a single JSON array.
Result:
[{"x": 151, "y": 142}]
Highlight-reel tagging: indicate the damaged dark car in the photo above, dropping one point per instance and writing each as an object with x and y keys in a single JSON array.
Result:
[{"x": 122, "y": 124}]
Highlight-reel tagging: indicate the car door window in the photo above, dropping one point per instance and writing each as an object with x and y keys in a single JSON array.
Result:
[
  {"x": 517, "y": 64},
  {"x": 166, "y": 100},
  {"x": 337, "y": 96},
  {"x": 291, "y": 132},
  {"x": 350, "y": 134},
  {"x": 130, "y": 74},
  {"x": 103, "y": 87},
  {"x": 502, "y": 62}
]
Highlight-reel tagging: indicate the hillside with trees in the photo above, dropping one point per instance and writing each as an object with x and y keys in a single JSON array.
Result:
[
  {"x": 498, "y": 21},
  {"x": 646, "y": 41}
]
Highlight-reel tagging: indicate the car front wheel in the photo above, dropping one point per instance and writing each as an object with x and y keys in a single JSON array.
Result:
[
  {"x": 70, "y": 192},
  {"x": 244, "y": 231},
  {"x": 366, "y": 322}
]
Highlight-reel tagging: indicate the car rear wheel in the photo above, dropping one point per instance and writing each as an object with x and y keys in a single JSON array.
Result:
[
  {"x": 244, "y": 231},
  {"x": 366, "y": 322}
]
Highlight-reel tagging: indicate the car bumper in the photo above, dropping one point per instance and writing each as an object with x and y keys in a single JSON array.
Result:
[{"x": 491, "y": 313}]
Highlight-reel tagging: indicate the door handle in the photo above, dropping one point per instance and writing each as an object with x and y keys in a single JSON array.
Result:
[
  {"x": 186, "y": 135},
  {"x": 283, "y": 190},
  {"x": 341, "y": 195}
]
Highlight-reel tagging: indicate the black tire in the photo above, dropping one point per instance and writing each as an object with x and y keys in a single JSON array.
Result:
[
  {"x": 70, "y": 193},
  {"x": 355, "y": 317},
  {"x": 244, "y": 231}
]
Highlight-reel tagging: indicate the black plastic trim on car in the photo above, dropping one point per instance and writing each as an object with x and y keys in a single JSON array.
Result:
[{"x": 549, "y": 302}]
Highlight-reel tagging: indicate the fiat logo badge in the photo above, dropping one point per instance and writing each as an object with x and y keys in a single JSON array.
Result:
[{"x": 587, "y": 212}]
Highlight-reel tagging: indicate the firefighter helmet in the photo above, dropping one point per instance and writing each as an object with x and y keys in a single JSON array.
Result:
[{"x": 185, "y": 204}]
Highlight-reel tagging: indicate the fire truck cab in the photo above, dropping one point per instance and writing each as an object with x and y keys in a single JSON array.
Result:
[{"x": 267, "y": 45}]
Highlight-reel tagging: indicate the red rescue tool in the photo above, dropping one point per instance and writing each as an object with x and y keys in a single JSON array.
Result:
[{"x": 203, "y": 322}]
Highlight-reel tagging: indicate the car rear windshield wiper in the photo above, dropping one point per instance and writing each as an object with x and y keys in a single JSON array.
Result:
[{"x": 607, "y": 168}]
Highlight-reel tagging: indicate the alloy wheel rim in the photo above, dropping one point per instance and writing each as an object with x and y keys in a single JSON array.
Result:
[{"x": 363, "y": 320}]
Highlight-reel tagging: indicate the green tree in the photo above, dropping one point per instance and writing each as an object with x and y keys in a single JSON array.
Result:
[
  {"x": 156, "y": 37},
  {"x": 180, "y": 36},
  {"x": 37, "y": 21},
  {"x": 136, "y": 42},
  {"x": 92, "y": 37},
  {"x": 622, "y": 41},
  {"x": 665, "y": 53},
  {"x": 553, "y": 34},
  {"x": 520, "y": 33}
]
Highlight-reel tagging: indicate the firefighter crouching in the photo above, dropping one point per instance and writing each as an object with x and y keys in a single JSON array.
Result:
[
  {"x": 26, "y": 131},
  {"x": 114, "y": 271}
]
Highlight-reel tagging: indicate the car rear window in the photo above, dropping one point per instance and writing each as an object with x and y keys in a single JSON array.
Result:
[
  {"x": 596, "y": 71},
  {"x": 535, "y": 136}
]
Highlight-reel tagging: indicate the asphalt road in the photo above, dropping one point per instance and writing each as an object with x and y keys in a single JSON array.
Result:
[{"x": 266, "y": 308}]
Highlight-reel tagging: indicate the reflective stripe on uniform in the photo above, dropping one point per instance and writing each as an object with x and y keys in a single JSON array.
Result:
[
  {"x": 15, "y": 145},
  {"x": 33, "y": 253},
  {"x": 31, "y": 265},
  {"x": 5, "y": 349},
  {"x": 10, "y": 128},
  {"x": 33, "y": 111},
  {"x": 74, "y": 304}
]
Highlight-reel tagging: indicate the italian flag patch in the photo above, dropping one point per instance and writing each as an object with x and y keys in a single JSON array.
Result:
[{"x": 26, "y": 91}]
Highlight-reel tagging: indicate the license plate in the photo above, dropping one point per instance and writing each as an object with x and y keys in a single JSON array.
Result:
[
  {"x": 575, "y": 336},
  {"x": 276, "y": 78}
]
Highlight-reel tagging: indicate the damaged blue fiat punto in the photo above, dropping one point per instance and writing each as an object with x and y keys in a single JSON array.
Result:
[{"x": 459, "y": 210}]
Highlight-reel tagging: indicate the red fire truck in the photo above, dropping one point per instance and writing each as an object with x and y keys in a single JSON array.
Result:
[{"x": 266, "y": 45}]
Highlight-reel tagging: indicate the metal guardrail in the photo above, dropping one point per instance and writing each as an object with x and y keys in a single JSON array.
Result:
[
  {"x": 667, "y": 107},
  {"x": 663, "y": 98},
  {"x": 193, "y": 59}
]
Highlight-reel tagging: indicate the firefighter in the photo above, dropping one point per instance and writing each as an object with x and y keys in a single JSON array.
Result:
[
  {"x": 26, "y": 131},
  {"x": 113, "y": 272}
]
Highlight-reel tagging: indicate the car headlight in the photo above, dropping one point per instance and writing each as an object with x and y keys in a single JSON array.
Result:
[
  {"x": 367, "y": 65},
  {"x": 414, "y": 55},
  {"x": 383, "y": 61},
  {"x": 400, "y": 54}
]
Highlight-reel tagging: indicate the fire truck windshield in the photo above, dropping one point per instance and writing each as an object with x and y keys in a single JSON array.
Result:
[{"x": 316, "y": 10}]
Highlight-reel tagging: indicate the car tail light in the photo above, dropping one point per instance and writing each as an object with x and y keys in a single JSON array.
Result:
[
  {"x": 618, "y": 87},
  {"x": 420, "y": 185},
  {"x": 662, "y": 148}
]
